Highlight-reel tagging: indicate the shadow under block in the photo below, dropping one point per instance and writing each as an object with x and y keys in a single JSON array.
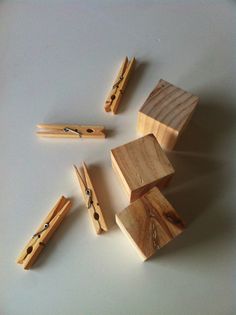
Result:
[
  {"x": 141, "y": 165},
  {"x": 150, "y": 223},
  {"x": 166, "y": 112}
]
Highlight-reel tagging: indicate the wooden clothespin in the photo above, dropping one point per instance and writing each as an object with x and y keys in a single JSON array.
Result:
[
  {"x": 113, "y": 100},
  {"x": 70, "y": 131},
  {"x": 91, "y": 200},
  {"x": 31, "y": 251}
]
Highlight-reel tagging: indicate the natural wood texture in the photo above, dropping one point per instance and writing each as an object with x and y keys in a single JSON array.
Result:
[
  {"x": 150, "y": 223},
  {"x": 31, "y": 251},
  {"x": 141, "y": 165},
  {"x": 71, "y": 131},
  {"x": 114, "y": 97},
  {"x": 166, "y": 113},
  {"x": 91, "y": 200}
]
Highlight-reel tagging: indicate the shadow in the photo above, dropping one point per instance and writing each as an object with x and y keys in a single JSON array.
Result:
[
  {"x": 133, "y": 84},
  {"x": 103, "y": 193},
  {"x": 110, "y": 133},
  {"x": 209, "y": 128},
  {"x": 206, "y": 232},
  {"x": 60, "y": 233},
  {"x": 203, "y": 176},
  {"x": 194, "y": 187},
  {"x": 200, "y": 158}
]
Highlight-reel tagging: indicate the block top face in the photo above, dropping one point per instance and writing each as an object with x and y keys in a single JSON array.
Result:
[
  {"x": 142, "y": 162},
  {"x": 150, "y": 223},
  {"x": 170, "y": 105}
]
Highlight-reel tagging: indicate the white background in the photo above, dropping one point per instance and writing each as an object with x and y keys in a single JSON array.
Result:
[{"x": 58, "y": 60}]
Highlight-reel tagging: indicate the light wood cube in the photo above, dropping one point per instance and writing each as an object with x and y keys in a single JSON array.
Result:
[
  {"x": 166, "y": 113},
  {"x": 150, "y": 223},
  {"x": 141, "y": 165}
]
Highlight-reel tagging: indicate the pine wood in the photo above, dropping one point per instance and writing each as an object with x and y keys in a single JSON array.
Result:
[
  {"x": 57, "y": 131},
  {"x": 150, "y": 223},
  {"x": 113, "y": 100},
  {"x": 34, "y": 247},
  {"x": 95, "y": 210},
  {"x": 141, "y": 165},
  {"x": 166, "y": 113}
]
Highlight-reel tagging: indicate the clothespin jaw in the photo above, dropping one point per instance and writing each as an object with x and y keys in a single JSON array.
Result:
[
  {"x": 32, "y": 250},
  {"x": 91, "y": 200},
  {"x": 71, "y": 131},
  {"x": 114, "y": 98}
]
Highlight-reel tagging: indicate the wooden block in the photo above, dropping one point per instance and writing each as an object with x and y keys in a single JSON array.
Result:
[
  {"x": 150, "y": 223},
  {"x": 141, "y": 165},
  {"x": 166, "y": 113}
]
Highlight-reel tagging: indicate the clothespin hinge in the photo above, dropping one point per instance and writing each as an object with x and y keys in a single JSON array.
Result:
[{"x": 67, "y": 129}]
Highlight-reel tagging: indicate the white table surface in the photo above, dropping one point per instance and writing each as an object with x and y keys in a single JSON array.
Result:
[{"x": 58, "y": 60}]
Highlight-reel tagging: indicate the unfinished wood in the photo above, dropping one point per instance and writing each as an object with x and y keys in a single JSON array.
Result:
[
  {"x": 141, "y": 165},
  {"x": 166, "y": 113},
  {"x": 150, "y": 223},
  {"x": 113, "y": 100},
  {"x": 91, "y": 200},
  {"x": 71, "y": 131},
  {"x": 49, "y": 225}
]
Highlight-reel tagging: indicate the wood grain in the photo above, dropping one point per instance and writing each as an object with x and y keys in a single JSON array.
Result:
[
  {"x": 150, "y": 223},
  {"x": 141, "y": 165},
  {"x": 166, "y": 113}
]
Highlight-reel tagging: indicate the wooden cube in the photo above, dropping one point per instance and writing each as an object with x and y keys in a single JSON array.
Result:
[
  {"x": 150, "y": 223},
  {"x": 141, "y": 165},
  {"x": 166, "y": 113}
]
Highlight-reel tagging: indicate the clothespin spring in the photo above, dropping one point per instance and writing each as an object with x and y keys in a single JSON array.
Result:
[
  {"x": 90, "y": 203},
  {"x": 36, "y": 235},
  {"x": 89, "y": 194},
  {"x": 46, "y": 226},
  {"x": 67, "y": 129},
  {"x": 116, "y": 85}
]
